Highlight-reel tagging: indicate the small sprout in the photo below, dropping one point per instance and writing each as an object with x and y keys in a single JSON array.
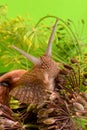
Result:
[
  {"x": 49, "y": 121},
  {"x": 85, "y": 75},
  {"x": 78, "y": 114},
  {"x": 84, "y": 95},
  {"x": 50, "y": 110},
  {"x": 64, "y": 71},
  {"x": 73, "y": 60},
  {"x": 44, "y": 113},
  {"x": 68, "y": 67},
  {"x": 78, "y": 106},
  {"x": 81, "y": 100},
  {"x": 84, "y": 83},
  {"x": 53, "y": 96}
]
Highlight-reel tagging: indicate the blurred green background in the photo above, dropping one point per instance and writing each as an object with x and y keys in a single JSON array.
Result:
[
  {"x": 72, "y": 9},
  {"x": 16, "y": 30}
]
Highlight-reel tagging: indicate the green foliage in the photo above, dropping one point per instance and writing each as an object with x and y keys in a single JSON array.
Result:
[{"x": 33, "y": 39}]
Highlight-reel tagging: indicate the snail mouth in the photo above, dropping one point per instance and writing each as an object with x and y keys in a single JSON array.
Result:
[{"x": 5, "y": 84}]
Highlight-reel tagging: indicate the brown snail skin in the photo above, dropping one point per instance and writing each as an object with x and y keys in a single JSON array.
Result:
[
  {"x": 7, "y": 82},
  {"x": 33, "y": 85}
]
